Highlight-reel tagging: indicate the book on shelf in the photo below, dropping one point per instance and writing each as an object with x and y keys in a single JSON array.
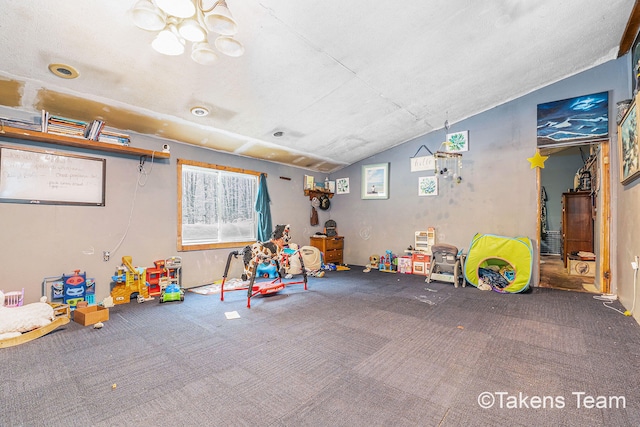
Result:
[
  {"x": 67, "y": 127},
  {"x": 113, "y": 137},
  {"x": 93, "y": 129},
  {"x": 21, "y": 124},
  {"x": 44, "y": 120}
]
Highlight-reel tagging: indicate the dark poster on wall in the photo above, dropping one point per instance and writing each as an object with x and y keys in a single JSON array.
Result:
[
  {"x": 635, "y": 64},
  {"x": 582, "y": 119}
]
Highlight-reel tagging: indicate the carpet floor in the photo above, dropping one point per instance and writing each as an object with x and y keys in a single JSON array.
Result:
[{"x": 355, "y": 349}]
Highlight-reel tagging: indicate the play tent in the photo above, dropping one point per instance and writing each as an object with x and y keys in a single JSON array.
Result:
[{"x": 503, "y": 263}]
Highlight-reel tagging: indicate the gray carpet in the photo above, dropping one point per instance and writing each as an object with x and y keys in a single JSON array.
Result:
[{"x": 356, "y": 349}]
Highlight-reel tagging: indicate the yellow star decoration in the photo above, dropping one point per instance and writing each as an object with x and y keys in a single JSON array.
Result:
[{"x": 537, "y": 161}]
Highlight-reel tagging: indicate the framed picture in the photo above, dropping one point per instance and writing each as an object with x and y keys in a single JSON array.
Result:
[
  {"x": 309, "y": 183},
  {"x": 635, "y": 64},
  {"x": 457, "y": 142},
  {"x": 428, "y": 186},
  {"x": 342, "y": 186},
  {"x": 568, "y": 121},
  {"x": 628, "y": 145},
  {"x": 375, "y": 181}
]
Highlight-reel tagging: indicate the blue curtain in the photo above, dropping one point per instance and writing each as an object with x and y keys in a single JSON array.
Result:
[{"x": 264, "y": 210}]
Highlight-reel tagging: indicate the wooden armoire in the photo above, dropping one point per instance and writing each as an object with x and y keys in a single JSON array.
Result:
[{"x": 577, "y": 223}]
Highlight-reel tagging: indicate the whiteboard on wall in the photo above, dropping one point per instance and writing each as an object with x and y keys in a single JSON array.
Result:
[{"x": 45, "y": 177}]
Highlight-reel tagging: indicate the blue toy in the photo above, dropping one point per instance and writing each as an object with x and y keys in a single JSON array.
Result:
[
  {"x": 267, "y": 270},
  {"x": 74, "y": 288},
  {"x": 389, "y": 262}
]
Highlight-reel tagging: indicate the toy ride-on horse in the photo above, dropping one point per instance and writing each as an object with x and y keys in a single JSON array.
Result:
[{"x": 256, "y": 255}]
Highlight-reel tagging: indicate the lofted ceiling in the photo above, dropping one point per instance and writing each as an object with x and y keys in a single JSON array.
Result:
[{"x": 341, "y": 80}]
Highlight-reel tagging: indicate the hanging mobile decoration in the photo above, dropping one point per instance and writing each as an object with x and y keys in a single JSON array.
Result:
[{"x": 448, "y": 165}]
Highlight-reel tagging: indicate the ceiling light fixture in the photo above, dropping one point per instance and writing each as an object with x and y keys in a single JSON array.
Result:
[
  {"x": 199, "y": 111},
  {"x": 64, "y": 71},
  {"x": 195, "y": 21}
]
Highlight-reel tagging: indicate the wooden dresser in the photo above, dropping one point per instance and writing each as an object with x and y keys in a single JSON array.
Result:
[
  {"x": 577, "y": 223},
  {"x": 331, "y": 248}
]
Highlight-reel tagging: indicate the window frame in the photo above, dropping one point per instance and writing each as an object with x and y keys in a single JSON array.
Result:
[{"x": 204, "y": 246}]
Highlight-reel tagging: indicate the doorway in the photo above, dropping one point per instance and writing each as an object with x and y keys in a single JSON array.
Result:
[{"x": 577, "y": 173}]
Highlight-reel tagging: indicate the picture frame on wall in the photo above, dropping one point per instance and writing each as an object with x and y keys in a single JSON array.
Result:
[
  {"x": 428, "y": 186},
  {"x": 375, "y": 181},
  {"x": 635, "y": 65},
  {"x": 457, "y": 142},
  {"x": 628, "y": 148},
  {"x": 342, "y": 186},
  {"x": 309, "y": 182},
  {"x": 573, "y": 120}
]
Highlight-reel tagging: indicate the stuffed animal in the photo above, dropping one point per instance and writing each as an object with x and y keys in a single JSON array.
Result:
[
  {"x": 260, "y": 252},
  {"x": 374, "y": 262},
  {"x": 15, "y": 320}
]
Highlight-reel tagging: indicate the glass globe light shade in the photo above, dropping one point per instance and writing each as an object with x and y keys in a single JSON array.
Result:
[
  {"x": 203, "y": 54},
  {"x": 229, "y": 46},
  {"x": 167, "y": 42},
  {"x": 177, "y": 8}
]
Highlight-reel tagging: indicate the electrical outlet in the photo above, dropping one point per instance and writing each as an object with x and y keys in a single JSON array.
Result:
[{"x": 105, "y": 256}]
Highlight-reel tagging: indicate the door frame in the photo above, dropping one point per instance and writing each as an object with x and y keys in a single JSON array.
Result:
[{"x": 603, "y": 217}]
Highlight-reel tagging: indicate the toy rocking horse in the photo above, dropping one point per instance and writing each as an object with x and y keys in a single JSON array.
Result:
[{"x": 265, "y": 252}]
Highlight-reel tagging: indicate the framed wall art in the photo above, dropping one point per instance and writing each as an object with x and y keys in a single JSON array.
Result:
[
  {"x": 342, "y": 186},
  {"x": 569, "y": 121},
  {"x": 375, "y": 181},
  {"x": 628, "y": 149},
  {"x": 309, "y": 182},
  {"x": 428, "y": 186},
  {"x": 457, "y": 142},
  {"x": 635, "y": 64}
]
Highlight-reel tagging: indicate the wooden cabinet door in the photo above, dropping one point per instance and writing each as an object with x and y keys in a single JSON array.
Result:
[{"x": 577, "y": 223}]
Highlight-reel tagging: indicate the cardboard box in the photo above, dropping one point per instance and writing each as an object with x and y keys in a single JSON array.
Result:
[
  {"x": 578, "y": 267},
  {"x": 405, "y": 265},
  {"x": 90, "y": 315}
]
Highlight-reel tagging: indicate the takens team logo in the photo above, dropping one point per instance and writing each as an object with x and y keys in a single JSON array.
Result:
[{"x": 578, "y": 400}]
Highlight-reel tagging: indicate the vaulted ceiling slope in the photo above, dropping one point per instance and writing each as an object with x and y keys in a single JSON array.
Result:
[{"x": 341, "y": 80}]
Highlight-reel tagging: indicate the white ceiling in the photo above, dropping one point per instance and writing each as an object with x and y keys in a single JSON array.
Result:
[{"x": 342, "y": 79}]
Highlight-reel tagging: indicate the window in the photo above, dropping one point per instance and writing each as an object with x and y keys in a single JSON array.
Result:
[{"x": 215, "y": 206}]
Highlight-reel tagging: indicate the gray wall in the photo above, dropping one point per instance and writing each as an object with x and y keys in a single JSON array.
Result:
[
  {"x": 45, "y": 240},
  {"x": 498, "y": 194}
]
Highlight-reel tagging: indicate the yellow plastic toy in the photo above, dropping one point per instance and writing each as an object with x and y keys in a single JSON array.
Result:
[{"x": 129, "y": 280}]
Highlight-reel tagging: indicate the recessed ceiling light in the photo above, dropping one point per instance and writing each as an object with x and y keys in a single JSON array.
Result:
[
  {"x": 199, "y": 111},
  {"x": 278, "y": 134},
  {"x": 64, "y": 71}
]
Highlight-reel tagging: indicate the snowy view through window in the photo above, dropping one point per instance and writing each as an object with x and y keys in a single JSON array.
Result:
[{"x": 217, "y": 206}]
